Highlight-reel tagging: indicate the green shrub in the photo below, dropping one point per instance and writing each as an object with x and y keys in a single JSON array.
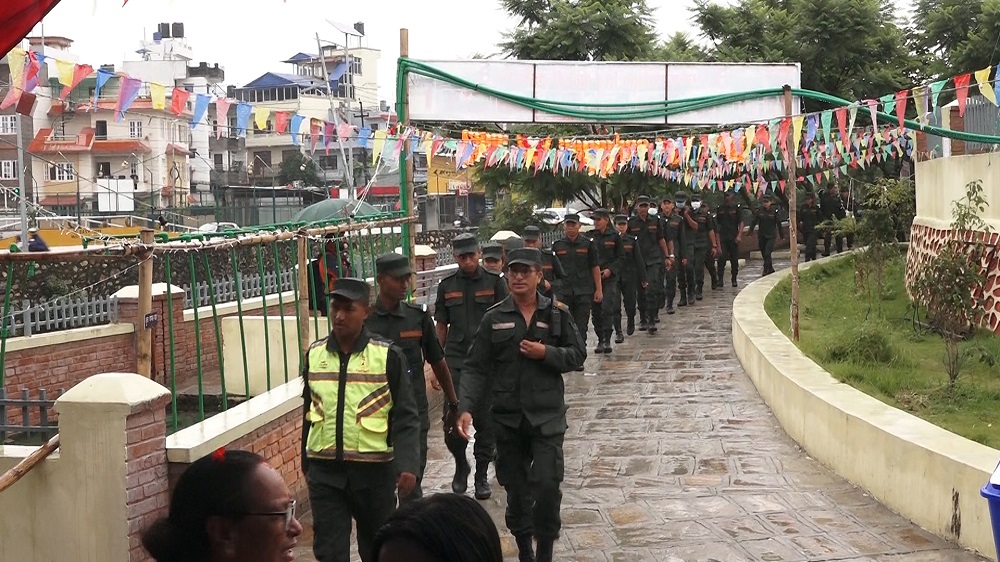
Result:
[{"x": 866, "y": 345}]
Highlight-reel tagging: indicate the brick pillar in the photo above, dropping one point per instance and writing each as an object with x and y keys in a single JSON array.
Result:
[
  {"x": 128, "y": 312},
  {"x": 114, "y": 437}
]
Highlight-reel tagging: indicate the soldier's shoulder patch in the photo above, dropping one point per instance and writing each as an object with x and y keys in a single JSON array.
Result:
[
  {"x": 561, "y": 306},
  {"x": 415, "y": 306}
]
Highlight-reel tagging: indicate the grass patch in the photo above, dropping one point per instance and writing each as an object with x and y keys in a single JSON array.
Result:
[{"x": 886, "y": 357}]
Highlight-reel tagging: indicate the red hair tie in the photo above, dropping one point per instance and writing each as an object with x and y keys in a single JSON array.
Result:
[{"x": 219, "y": 455}]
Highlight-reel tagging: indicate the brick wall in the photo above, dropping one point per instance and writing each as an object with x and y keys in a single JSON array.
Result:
[
  {"x": 62, "y": 366},
  {"x": 146, "y": 489},
  {"x": 280, "y": 443}
]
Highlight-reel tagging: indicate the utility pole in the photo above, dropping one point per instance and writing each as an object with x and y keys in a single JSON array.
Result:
[
  {"x": 349, "y": 178},
  {"x": 348, "y": 113},
  {"x": 22, "y": 188}
]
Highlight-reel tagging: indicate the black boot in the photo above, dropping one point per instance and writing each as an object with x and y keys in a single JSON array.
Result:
[
  {"x": 684, "y": 300},
  {"x": 670, "y": 307},
  {"x": 698, "y": 291},
  {"x": 544, "y": 553},
  {"x": 524, "y": 551},
  {"x": 460, "y": 483},
  {"x": 482, "y": 480},
  {"x": 630, "y": 328},
  {"x": 734, "y": 279},
  {"x": 599, "y": 346},
  {"x": 691, "y": 297},
  {"x": 643, "y": 324},
  {"x": 652, "y": 324}
]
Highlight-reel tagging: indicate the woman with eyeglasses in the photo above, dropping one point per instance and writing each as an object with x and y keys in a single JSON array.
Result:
[{"x": 228, "y": 506}]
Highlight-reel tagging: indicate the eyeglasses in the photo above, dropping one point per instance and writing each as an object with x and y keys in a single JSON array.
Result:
[{"x": 288, "y": 514}]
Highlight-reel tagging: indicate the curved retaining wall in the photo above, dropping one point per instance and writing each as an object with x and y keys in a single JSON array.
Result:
[{"x": 926, "y": 474}]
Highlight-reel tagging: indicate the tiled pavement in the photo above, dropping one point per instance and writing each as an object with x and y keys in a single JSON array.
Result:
[{"x": 672, "y": 456}]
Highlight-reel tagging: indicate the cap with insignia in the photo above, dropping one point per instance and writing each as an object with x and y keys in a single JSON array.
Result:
[
  {"x": 601, "y": 213},
  {"x": 525, "y": 256},
  {"x": 621, "y": 219},
  {"x": 695, "y": 197},
  {"x": 572, "y": 217},
  {"x": 531, "y": 233},
  {"x": 681, "y": 196},
  {"x": 666, "y": 198},
  {"x": 643, "y": 199},
  {"x": 513, "y": 243},
  {"x": 393, "y": 265},
  {"x": 464, "y": 244},
  {"x": 492, "y": 250},
  {"x": 351, "y": 288}
]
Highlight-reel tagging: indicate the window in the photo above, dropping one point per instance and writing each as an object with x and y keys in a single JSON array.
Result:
[
  {"x": 104, "y": 169},
  {"x": 355, "y": 65},
  {"x": 135, "y": 129},
  {"x": 8, "y": 169},
  {"x": 8, "y": 124},
  {"x": 62, "y": 171},
  {"x": 232, "y": 127},
  {"x": 218, "y": 162},
  {"x": 133, "y": 169},
  {"x": 329, "y": 162},
  {"x": 101, "y": 130},
  {"x": 345, "y": 90}
]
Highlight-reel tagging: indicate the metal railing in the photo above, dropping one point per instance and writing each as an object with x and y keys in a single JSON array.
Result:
[
  {"x": 45, "y": 426},
  {"x": 62, "y": 314},
  {"x": 425, "y": 291},
  {"x": 226, "y": 290}
]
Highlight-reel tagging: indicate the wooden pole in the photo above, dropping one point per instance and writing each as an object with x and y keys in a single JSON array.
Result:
[
  {"x": 303, "y": 280},
  {"x": 406, "y": 164},
  {"x": 144, "y": 352},
  {"x": 7, "y": 479},
  {"x": 793, "y": 239}
]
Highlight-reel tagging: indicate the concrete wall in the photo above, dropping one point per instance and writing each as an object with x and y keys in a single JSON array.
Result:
[
  {"x": 922, "y": 472},
  {"x": 940, "y": 182},
  {"x": 107, "y": 481},
  {"x": 259, "y": 350}
]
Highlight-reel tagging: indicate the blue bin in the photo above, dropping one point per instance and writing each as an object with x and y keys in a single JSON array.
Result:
[{"x": 991, "y": 491}]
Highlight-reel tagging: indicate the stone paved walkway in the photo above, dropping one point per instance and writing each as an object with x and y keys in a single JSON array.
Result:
[{"x": 672, "y": 456}]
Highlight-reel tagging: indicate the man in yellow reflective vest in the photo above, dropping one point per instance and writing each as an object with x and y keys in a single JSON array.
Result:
[{"x": 360, "y": 432}]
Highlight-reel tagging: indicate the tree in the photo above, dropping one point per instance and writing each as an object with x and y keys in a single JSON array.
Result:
[
  {"x": 582, "y": 30},
  {"x": 680, "y": 48},
  {"x": 296, "y": 167},
  {"x": 853, "y": 49},
  {"x": 951, "y": 287},
  {"x": 890, "y": 206},
  {"x": 955, "y": 36}
]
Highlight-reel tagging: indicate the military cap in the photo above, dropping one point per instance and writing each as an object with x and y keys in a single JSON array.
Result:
[
  {"x": 695, "y": 197},
  {"x": 642, "y": 199},
  {"x": 532, "y": 233},
  {"x": 621, "y": 219},
  {"x": 681, "y": 196},
  {"x": 464, "y": 244},
  {"x": 513, "y": 243},
  {"x": 666, "y": 197},
  {"x": 351, "y": 288},
  {"x": 601, "y": 213},
  {"x": 393, "y": 265},
  {"x": 571, "y": 217},
  {"x": 493, "y": 250},
  {"x": 526, "y": 256}
]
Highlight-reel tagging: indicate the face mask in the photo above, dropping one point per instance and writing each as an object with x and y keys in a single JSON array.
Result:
[
  {"x": 680, "y": 204},
  {"x": 696, "y": 205}
]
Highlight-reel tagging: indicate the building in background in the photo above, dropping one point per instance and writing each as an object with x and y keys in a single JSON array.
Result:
[
  {"x": 167, "y": 59},
  {"x": 132, "y": 166}
]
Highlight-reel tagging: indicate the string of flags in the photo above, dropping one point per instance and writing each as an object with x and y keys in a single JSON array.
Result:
[
  {"x": 827, "y": 140},
  {"x": 25, "y": 68}
]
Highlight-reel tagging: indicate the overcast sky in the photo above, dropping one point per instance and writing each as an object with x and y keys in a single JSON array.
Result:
[{"x": 249, "y": 41}]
